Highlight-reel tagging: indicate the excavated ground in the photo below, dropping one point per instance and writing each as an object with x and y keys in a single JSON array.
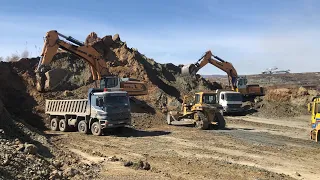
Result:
[{"x": 264, "y": 145}]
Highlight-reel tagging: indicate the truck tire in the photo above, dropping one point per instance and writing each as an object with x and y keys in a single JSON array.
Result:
[
  {"x": 54, "y": 124},
  {"x": 83, "y": 127},
  {"x": 96, "y": 129},
  {"x": 220, "y": 120},
  {"x": 203, "y": 123},
  {"x": 63, "y": 125}
]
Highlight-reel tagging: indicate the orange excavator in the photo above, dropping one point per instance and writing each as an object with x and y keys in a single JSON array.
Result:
[
  {"x": 96, "y": 60},
  {"x": 238, "y": 83}
]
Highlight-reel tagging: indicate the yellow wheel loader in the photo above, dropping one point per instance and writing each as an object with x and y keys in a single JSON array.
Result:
[
  {"x": 314, "y": 109},
  {"x": 202, "y": 111}
]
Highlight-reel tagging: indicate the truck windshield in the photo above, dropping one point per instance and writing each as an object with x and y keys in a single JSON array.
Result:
[
  {"x": 234, "y": 97},
  {"x": 110, "y": 100},
  {"x": 209, "y": 99}
]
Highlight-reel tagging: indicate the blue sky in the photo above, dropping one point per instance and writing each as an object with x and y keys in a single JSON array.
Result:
[{"x": 251, "y": 34}]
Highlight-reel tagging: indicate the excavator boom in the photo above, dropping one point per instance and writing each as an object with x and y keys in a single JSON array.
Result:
[
  {"x": 237, "y": 83},
  {"x": 208, "y": 57},
  {"x": 96, "y": 61}
]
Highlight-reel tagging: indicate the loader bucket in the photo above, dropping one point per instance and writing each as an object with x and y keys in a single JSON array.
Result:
[{"x": 189, "y": 69}]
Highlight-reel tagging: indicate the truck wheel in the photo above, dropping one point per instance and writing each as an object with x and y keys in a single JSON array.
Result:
[
  {"x": 203, "y": 122},
  {"x": 169, "y": 119},
  {"x": 83, "y": 127},
  {"x": 54, "y": 124},
  {"x": 63, "y": 126},
  {"x": 96, "y": 129},
  {"x": 220, "y": 120}
]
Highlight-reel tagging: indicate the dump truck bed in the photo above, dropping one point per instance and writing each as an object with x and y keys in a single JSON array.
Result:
[{"x": 77, "y": 107}]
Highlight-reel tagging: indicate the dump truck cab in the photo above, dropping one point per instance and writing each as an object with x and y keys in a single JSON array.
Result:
[
  {"x": 314, "y": 110},
  {"x": 111, "y": 108},
  {"x": 231, "y": 101}
]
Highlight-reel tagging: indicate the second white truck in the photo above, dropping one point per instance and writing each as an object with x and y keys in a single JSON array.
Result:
[
  {"x": 104, "y": 108},
  {"x": 231, "y": 101}
]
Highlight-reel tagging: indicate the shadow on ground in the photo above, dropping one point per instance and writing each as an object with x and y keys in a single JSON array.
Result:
[{"x": 131, "y": 132}]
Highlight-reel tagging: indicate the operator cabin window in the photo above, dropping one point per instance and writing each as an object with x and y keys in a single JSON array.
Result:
[
  {"x": 209, "y": 99},
  {"x": 197, "y": 99},
  {"x": 222, "y": 96}
]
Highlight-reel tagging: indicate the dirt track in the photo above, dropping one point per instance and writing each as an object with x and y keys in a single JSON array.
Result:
[{"x": 249, "y": 148}]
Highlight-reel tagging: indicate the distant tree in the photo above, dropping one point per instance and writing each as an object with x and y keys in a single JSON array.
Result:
[
  {"x": 12, "y": 58},
  {"x": 25, "y": 54}
]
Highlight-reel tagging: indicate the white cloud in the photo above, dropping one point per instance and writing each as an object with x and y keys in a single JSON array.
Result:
[{"x": 249, "y": 51}]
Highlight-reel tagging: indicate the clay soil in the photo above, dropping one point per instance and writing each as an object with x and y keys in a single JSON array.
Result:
[{"x": 249, "y": 148}]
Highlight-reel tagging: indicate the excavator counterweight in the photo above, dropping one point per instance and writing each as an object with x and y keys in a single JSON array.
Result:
[{"x": 99, "y": 69}]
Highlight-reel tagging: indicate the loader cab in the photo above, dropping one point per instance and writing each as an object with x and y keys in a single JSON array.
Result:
[{"x": 205, "y": 98}]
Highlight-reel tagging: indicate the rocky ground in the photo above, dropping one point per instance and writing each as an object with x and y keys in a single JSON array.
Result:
[{"x": 260, "y": 145}]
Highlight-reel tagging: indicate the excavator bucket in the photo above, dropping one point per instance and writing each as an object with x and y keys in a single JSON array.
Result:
[{"x": 189, "y": 69}]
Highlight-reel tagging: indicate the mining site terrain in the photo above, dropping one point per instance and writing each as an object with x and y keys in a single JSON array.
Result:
[{"x": 270, "y": 142}]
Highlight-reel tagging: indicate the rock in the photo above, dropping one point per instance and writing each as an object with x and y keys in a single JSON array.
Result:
[
  {"x": 20, "y": 147},
  {"x": 113, "y": 158},
  {"x": 298, "y": 174},
  {"x": 140, "y": 164},
  {"x": 116, "y": 37},
  {"x": 55, "y": 77},
  {"x": 30, "y": 148},
  {"x": 67, "y": 93},
  {"x": 107, "y": 41},
  {"x": 146, "y": 166},
  {"x": 55, "y": 174},
  {"x": 128, "y": 163},
  {"x": 70, "y": 172},
  {"x": 57, "y": 164},
  {"x": 6, "y": 161},
  {"x": 302, "y": 91}
]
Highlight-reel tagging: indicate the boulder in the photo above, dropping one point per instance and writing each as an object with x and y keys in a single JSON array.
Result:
[
  {"x": 30, "y": 149},
  {"x": 116, "y": 37},
  {"x": 107, "y": 41},
  {"x": 55, "y": 77}
]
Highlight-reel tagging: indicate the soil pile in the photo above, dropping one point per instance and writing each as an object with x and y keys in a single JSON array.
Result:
[
  {"x": 286, "y": 102},
  {"x": 166, "y": 88},
  {"x": 27, "y": 153}
]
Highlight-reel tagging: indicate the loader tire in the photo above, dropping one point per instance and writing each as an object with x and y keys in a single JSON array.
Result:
[
  {"x": 220, "y": 120},
  {"x": 83, "y": 127},
  {"x": 54, "y": 124},
  {"x": 63, "y": 125},
  {"x": 203, "y": 122}
]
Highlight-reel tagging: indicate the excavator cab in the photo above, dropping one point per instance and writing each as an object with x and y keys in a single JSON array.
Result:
[
  {"x": 133, "y": 86},
  {"x": 110, "y": 82}
]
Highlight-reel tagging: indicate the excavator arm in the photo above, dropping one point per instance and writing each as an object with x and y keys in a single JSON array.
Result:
[
  {"x": 208, "y": 57},
  {"x": 89, "y": 54},
  {"x": 96, "y": 61}
]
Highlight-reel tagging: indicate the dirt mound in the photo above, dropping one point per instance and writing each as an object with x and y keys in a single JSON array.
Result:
[
  {"x": 166, "y": 88},
  {"x": 286, "y": 102}
]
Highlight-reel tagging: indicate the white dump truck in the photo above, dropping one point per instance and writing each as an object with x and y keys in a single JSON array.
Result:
[
  {"x": 231, "y": 101},
  {"x": 104, "y": 108}
]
